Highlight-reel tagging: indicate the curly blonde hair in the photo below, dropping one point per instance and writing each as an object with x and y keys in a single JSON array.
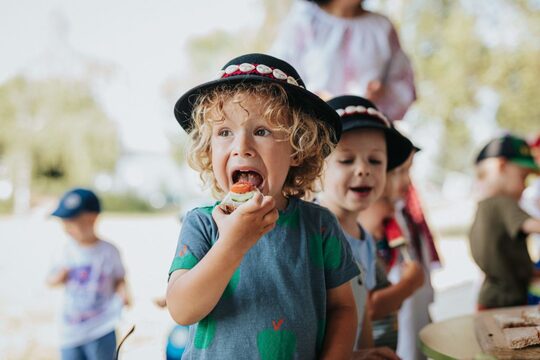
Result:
[{"x": 309, "y": 138}]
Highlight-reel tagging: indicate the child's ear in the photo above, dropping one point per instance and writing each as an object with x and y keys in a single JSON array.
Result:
[{"x": 295, "y": 162}]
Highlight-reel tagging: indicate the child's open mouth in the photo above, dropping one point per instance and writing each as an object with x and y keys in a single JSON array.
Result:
[
  {"x": 249, "y": 176},
  {"x": 362, "y": 190}
]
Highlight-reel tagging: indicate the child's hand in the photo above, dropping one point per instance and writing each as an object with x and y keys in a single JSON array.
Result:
[
  {"x": 375, "y": 90},
  {"x": 161, "y": 302},
  {"x": 126, "y": 300},
  {"x": 248, "y": 223},
  {"x": 413, "y": 274}
]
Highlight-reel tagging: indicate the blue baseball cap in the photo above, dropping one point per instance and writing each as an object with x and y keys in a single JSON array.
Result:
[{"x": 75, "y": 202}]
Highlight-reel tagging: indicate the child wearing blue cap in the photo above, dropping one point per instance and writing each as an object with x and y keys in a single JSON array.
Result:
[{"x": 92, "y": 273}]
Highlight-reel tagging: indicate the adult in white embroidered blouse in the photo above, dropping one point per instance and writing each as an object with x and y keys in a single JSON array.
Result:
[{"x": 358, "y": 55}]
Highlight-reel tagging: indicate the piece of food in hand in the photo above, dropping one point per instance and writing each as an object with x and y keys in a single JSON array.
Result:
[
  {"x": 520, "y": 337},
  {"x": 507, "y": 321},
  {"x": 239, "y": 193}
]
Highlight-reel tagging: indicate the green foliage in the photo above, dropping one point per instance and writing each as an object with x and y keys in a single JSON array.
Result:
[
  {"x": 450, "y": 60},
  {"x": 213, "y": 50},
  {"x": 517, "y": 83},
  {"x": 59, "y": 131},
  {"x": 452, "y": 64},
  {"x": 6, "y": 206},
  {"x": 125, "y": 203}
]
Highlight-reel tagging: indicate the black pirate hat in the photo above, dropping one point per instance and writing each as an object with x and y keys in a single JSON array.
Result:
[
  {"x": 357, "y": 112},
  {"x": 261, "y": 68}
]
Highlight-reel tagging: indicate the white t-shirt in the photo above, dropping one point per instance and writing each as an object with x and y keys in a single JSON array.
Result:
[
  {"x": 530, "y": 203},
  {"x": 341, "y": 56},
  {"x": 91, "y": 308}
]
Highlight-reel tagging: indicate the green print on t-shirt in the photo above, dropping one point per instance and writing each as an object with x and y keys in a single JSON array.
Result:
[
  {"x": 332, "y": 253},
  {"x": 206, "y": 329},
  {"x": 184, "y": 260},
  {"x": 290, "y": 220},
  {"x": 207, "y": 209},
  {"x": 276, "y": 344},
  {"x": 231, "y": 286},
  {"x": 325, "y": 253}
]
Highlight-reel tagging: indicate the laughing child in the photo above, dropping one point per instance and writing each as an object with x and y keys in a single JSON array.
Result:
[{"x": 354, "y": 179}]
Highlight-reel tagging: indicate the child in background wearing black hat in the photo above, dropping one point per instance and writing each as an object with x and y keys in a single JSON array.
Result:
[
  {"x": 500, "y": 228},
  {"x": 354, "y": 179},
  {"x": 270, "y": 280},
  {"x": 94, "y": 279}
]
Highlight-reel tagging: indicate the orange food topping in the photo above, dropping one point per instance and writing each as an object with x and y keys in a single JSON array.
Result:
[{"x": 242, "y": 187}]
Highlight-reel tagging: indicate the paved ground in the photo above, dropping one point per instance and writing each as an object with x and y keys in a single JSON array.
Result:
[{"x": 147, "y": 243}]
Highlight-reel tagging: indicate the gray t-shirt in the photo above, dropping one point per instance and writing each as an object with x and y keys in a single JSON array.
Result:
[
  {"x": 274, "y": 307},
  {"x": 385, "y": 329}
]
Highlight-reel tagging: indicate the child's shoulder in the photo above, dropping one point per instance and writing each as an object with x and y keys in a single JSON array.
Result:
[
  {"x": 104, "y": 248},
  {"x": 200, "y": 213},
  {"x": 107, "y": 245},
  {"x": 315, "y": 210},
  {"x": 204, "y": 210},
  {"x": 498, "y": 199}
]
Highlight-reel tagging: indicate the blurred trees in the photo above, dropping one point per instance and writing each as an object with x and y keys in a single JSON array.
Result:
[
  {"x": 54, "y": 135},
  {"x": 452, "y": 62}
]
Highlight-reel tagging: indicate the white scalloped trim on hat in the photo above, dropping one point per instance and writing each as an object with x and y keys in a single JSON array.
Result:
[
  {"x": 231, "y": 68},
  {"x": 245, "y": 67},
  {"x": 259, "y": 69},
  {"x": 278, "y": 74},
  {"x": 351, "y": 109},
  {"x": 263, "y": 69}
]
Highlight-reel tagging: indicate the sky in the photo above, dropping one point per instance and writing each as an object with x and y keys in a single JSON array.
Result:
[{"x": 141, "y": 45}]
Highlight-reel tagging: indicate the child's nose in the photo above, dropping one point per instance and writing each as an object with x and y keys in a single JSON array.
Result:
[
  {"x": 362, "y": 170},
  {"x": 243, "y": 145}
]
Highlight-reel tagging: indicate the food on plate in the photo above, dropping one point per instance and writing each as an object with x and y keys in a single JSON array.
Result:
[
  {"x": 520, "y": 337},
  {"x": 532, "y": 317},
  {"x": 507, "y": 321}
]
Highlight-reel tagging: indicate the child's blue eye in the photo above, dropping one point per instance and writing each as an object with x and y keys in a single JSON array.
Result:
[
  {"x": 375, "y": 161},
  {"x": 345, "y": 161},
  {"x": 262, "y": 132}
]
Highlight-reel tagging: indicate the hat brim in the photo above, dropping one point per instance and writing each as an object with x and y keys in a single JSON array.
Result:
[
  {"x": 398, "y": 146},
  {"x": 298, "y": 98},
  {"x": 64, "y": 213},
  {"x": 526, "y": 163}
]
